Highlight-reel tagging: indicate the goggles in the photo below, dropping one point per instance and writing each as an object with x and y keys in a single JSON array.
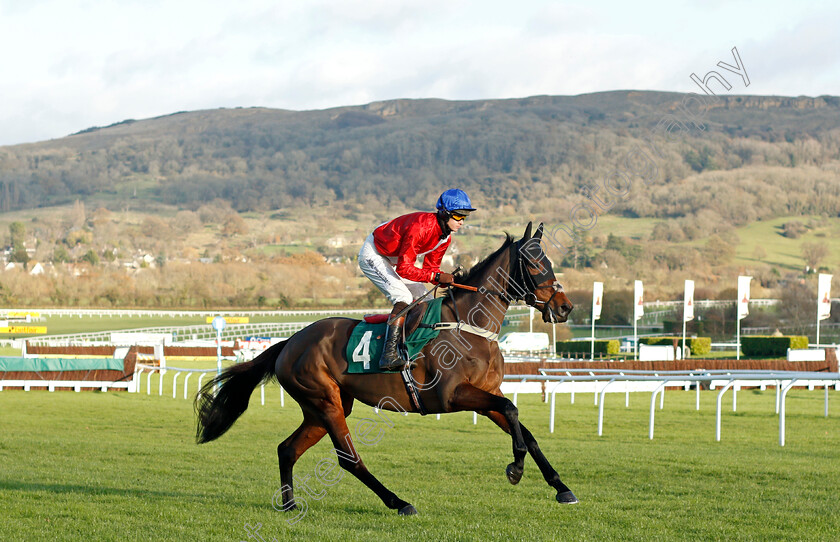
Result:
[{"x": 456, "y": 217}]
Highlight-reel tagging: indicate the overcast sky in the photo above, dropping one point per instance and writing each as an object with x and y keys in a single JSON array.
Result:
[{"x": 67, "y": 65}]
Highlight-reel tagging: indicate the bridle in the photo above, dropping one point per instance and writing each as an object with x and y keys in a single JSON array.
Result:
[
  {"x": 519, "y": 275},
  {"x": 533, "y": 282}
]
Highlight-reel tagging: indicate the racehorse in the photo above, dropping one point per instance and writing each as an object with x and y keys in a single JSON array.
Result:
[{"x": 456, "y": 371}]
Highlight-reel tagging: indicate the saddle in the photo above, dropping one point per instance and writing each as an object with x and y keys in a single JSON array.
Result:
[
  {"x": 412, "y": 319},
  {"x": 364, "y": 345}
]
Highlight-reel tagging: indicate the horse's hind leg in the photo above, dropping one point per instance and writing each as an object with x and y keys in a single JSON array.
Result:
[
  {"x": 290, "y": 450},
  {"x": 564, "y": 494},
  {"x": 349, "y": 460},
  {"x": 310, "y": 432}
]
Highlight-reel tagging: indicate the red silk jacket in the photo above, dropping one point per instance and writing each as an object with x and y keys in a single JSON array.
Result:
[{"x": 409, "y": 236}]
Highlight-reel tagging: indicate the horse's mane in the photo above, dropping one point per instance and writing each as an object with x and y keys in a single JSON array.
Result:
[{"x": 479, "y": 270}]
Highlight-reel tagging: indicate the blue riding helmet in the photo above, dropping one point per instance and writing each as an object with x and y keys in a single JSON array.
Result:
[{"x": 454, "y": 199}]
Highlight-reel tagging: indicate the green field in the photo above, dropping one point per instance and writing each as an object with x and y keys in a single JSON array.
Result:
[
  {"x": 779, "y": 250},
  {"x": 113, "y": 466},
  {"x": 785, "y": 252}
]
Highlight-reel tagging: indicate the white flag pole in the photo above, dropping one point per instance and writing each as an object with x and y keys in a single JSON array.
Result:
[
  {"x": 597, "y": 295},
  {"x": 823, "y": 301},
  {"x": 742, "y": 309},
  {"x": 688, "y": 309},
  {"x": 636, "y": 338},
  {"x": 638, "y": 311}
]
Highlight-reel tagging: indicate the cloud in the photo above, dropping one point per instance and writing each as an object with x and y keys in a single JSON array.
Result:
[
  {"x": 800, "y": 59},
  {"x": 70, "y": 64}
]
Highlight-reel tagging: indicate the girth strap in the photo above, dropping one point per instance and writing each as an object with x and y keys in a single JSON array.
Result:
[
  {"x": 413, "y": 396},
  {"x": 461, "y": 326}
]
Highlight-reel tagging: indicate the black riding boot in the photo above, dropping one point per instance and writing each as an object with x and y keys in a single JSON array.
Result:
[{"x": 391, "y": 359}]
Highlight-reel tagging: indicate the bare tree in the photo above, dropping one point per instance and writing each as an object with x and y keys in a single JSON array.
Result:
[
  {"x": 233, "y": 224},
  {"x": 185, "y": 222},
  {"x": 814, "y": 253},
  {"x": 718, "y": 251}
]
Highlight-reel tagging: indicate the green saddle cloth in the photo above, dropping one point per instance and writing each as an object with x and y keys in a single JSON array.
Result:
[{"x": 367, "y": 341}]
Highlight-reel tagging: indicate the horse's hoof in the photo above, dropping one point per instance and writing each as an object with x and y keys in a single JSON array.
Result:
[
  {"x": 408, "y": 510},
  {"x": 514, "y": 473},
  {"x": 567, "y": 497}
]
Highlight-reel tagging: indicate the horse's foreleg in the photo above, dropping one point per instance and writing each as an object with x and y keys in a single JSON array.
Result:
[
  {"x": 290, "y": 450},
  {"x": 468, "y": 397},
  {"x": 564, "y": 494}
]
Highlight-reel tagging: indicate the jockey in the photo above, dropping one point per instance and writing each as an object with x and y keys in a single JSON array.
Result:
[{"x": 388, "y": 258}]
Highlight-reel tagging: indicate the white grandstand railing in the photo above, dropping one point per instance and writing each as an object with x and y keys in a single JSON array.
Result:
[
  {"x": 205, "y": 331},
  {"x": 204, "y": 313},
  {"x": 190, "y": 313},
  {"x": 757, "y": 330},
  {"x": 312, "y": 312},
  {"x": 706, "y": 303},
  {"x": 179, "y": 333}
]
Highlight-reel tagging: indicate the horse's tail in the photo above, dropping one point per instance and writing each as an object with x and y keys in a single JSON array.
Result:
[{"x": 218, "y": 410}]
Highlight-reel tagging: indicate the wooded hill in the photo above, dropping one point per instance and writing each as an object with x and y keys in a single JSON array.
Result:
[
  {"x": 756, "y": 158},
  {"x": 245, "y": 207}
]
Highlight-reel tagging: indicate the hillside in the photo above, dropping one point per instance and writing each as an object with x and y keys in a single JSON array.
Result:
[
  {"x": 262, "y": 197},
  {"x": 532, "y": 153}
]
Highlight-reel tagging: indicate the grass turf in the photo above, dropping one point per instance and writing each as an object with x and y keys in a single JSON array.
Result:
[{"x": 118, "y": 466}]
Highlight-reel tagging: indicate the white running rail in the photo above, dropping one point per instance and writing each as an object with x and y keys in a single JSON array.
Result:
[
  {"x": 139, "y": 369},
  {"x": 655, "y": 382}
]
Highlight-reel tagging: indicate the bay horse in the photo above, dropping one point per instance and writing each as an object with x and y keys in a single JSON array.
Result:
[{"x": 456, "y": 371}]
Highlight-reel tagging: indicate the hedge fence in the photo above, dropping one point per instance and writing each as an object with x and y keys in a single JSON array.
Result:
[
  {"x": 771, "y": 347},
  {"x": 602, "y": 346}
]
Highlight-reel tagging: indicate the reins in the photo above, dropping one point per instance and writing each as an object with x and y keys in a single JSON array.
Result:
[
  {"x": 518, "y": 271},
  {"x": 518, "y": 268},
  {"x": 415, "y": 302}
]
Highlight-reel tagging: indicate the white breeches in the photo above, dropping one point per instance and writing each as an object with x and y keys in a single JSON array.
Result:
[{"x": 380, "y": 270}]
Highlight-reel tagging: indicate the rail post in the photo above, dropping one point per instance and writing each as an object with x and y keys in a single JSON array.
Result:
[
  {"x": 717, "y": 419},
  {"x": 653, "y": 407},
  {"x": 601, "y": 407},
  {"x": 175, "y": 384},
  {"x": 782, "y": 412},
  {"x": 826, "y": 399},
  {"x": 186, "y": 383}
]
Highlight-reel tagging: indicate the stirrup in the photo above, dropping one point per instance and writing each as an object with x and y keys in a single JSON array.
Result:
[
  {"x": 395, "y": 364},
  {"x": 386, "y": 365}
]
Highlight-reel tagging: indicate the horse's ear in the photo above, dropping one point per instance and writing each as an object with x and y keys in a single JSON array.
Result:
[
  {"x": 538, "y": 234},
  {"x": 528, "y": 231}
]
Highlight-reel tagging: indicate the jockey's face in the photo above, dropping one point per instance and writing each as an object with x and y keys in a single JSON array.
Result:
[{"x": 454, "y": 225}]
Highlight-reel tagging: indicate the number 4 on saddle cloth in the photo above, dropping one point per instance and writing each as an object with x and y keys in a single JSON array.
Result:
[{"x": 364, "y": 348}]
